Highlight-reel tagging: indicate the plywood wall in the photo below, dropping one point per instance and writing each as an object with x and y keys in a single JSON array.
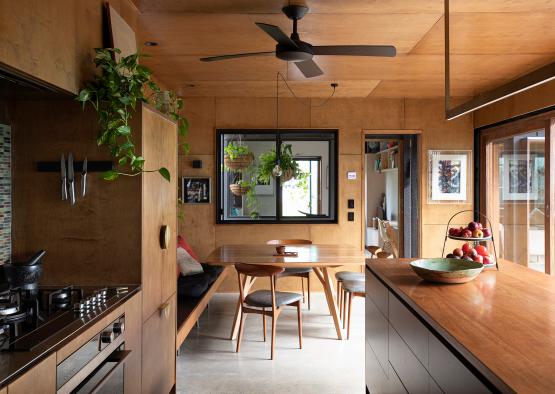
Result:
[{"x": 351, "y": 117}]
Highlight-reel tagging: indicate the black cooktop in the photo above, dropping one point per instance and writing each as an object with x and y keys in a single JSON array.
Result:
[{"x": 30, "y": 317}]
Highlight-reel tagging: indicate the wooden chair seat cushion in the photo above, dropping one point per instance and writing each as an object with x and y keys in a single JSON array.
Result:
[
  {"x": 263, "y": 298},
  {"x": 353, "y": 286},
  {"x": 348, "y": 275},
  {"x": 295, "y": 271}
]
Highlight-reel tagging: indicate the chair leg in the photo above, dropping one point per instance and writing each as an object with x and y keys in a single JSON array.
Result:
[
  {"x": 349, "y": 317},
  {"x": 300, "y": 323},
  {"x": 264, "y": 323},
  {"x": 302, "y": 287},
  {"x": 241, "y": 326},
  {"x": 339, "y": 303},
  {"x": 344, "y": 307},
  {"x": 308, "y": 289},
  {"x": 274, "y": 321}
]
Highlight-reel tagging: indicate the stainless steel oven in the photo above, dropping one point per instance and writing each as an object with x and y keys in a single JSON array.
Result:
[{"x": 98, "y": 365}]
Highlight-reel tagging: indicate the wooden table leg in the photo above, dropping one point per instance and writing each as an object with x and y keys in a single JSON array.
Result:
[
  {"x": 324, "y": 276},
  {"x": 247, "y": 284}
]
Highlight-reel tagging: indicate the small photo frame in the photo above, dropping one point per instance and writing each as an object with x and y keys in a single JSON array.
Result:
[
  {"x": 195, "y": 190},
  {"x": 449, "y": 176},
  {"x": 520, "y": 177}
]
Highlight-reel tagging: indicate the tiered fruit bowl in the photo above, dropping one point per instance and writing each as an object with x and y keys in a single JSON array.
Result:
[{"x": 476, "y": 237}]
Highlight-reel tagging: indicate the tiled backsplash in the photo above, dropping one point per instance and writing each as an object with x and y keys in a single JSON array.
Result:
[{"x": 5, "y": 193}]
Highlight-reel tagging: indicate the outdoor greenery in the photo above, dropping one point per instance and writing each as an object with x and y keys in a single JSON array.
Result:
[{"x": 114, "y": 94}]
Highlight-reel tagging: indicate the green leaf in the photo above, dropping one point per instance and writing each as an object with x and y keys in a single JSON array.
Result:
[
  {"x": 122, "y": 161},
  {"x": 84, "y": 95},
  {"x": 124, "y": 130},
  {"x": 165, "y": 173},
  {"x": 110, "y": 175}
]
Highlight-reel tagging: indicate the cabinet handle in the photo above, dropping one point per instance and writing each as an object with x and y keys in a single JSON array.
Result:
[
  {"x": 164, "y": 310},
  {"x": 164, "y": 236}
]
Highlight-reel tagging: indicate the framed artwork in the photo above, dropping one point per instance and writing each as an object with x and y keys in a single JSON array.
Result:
[
  {"x": 195, "y": 190},
  {"x": 520, "y": 177},
  {"x": 449, "y": 176}
]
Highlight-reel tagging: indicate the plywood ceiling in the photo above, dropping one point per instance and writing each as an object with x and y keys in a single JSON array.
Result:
[{"x": 492, "y": 42}]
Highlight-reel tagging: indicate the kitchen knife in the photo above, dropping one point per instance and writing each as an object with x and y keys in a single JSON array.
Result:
[
  {"x": 84, "y": 179},
  {"x": 71, "y": 179},
  {"x": 64, "y": 177}
]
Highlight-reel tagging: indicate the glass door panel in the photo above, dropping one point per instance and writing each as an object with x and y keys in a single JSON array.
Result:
[{"x": 515, "y": 195}]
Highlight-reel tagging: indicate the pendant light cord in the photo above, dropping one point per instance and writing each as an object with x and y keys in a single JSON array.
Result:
[{"x": 280, "y": 75}]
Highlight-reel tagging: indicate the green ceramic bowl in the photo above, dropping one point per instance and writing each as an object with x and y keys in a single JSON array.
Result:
[{"x": 446, "y": 270}]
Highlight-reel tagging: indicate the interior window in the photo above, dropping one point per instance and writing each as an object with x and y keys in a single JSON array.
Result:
[{"x": 277, "y": 176}]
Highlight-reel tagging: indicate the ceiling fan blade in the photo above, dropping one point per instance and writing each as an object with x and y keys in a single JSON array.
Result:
[
  {"x": 309, "y": 68},
  {"x": 277, "y": 34},
  {"x": 236, "y": 55},
  {"x": 356, "y": 50}
]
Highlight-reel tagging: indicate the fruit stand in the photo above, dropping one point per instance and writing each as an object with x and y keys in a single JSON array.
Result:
[{"x": 475, "y": 236}]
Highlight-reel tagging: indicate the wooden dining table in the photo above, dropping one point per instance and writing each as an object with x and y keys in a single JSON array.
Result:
[{"x": 320, "y": 257}]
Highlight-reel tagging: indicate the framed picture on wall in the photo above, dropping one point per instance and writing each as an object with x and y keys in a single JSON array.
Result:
[
  {"x": 520, "y": 177},
  {"x": 449, "y": 176},
  {"x": 195, "y": 190}
]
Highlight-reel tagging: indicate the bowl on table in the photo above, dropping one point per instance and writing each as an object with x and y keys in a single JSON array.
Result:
[{"x": 446, "y": 270}]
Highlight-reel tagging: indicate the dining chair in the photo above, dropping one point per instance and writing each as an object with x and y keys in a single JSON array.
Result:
[
  {"x": 301, "y": 272},
  {"x": 259, "y": 301},
  {"x": 340, "y": 277},
  {"x": 351, "y": 288}
]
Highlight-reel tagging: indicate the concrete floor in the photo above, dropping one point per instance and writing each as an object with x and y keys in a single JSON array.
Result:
[{"x": 208, "y": 362}]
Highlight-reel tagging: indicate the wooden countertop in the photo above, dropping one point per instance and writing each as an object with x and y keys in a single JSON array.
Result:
[{"x": 503, "y": 322}]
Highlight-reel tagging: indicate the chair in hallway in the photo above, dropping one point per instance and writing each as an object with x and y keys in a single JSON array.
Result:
[
  {"x": 265, "y": 302},
  {"x": 351, "y": 288},
  {"x": 302, "y": 272}
]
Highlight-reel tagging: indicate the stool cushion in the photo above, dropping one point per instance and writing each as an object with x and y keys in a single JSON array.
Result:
[
  {"x": 347, "y": 275},
  {"x": 353, "y": 286},
  {"x": 263, "y": 298}
]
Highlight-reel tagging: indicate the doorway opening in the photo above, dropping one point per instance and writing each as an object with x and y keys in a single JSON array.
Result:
[{"x": 392, "y": 190}]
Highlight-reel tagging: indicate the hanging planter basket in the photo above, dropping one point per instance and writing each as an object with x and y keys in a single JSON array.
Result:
[
  {"x": 239, "y": 190},
  {"x": 287, "y": 176},
  {"x": 240, "y": 162}
]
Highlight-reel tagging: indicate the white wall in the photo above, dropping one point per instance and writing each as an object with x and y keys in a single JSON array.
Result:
[{"x": 375, "y": 187}]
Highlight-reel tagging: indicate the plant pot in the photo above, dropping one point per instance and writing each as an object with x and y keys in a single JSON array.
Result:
[
  {"x": 287, "y": 176},
  {"x": 240, "y": 162},
  {"x": 239, "y": 190}
]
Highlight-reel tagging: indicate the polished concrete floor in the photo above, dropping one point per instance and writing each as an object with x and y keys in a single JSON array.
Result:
[{"x": 208, "y": 363}]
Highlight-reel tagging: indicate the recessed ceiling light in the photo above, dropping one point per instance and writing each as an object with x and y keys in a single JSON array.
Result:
[{"x": 150, "y": 43}]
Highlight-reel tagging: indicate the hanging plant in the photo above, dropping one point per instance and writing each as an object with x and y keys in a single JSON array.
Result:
[
  {"x": 288, "y": 166},
  {"x": 237, "y": 157},
  {"x": 114, "y": 94}
]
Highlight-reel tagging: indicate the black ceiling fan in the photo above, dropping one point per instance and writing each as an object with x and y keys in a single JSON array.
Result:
[{"x": 292, "y": 49}]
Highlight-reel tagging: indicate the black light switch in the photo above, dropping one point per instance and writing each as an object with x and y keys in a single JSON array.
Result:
[
  {"x": 350, "y": 203},
  {"x": 351, "y": 216},
  {"x": 197, "y": 163}
]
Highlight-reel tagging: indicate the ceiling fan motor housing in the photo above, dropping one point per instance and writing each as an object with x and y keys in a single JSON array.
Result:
[{"x": 300, "y": 54}]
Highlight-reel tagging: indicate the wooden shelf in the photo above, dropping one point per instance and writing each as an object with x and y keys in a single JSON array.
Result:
[{"x": 394, "y": 148}]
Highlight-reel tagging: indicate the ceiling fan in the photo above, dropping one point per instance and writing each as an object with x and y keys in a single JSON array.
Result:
[{"x": 292, "y": 49}]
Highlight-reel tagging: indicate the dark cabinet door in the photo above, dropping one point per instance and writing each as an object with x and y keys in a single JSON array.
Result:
[{"x": 411, "y": 372}]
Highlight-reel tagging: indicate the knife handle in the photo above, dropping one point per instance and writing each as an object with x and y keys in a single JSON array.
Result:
[
  {"x": 64, "y": 189},
  {"x": 72, "y": 192}
]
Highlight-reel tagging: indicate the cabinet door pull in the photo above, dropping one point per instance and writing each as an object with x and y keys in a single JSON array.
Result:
[
  {"x": 164, "y": 310},
  {"x": 164, "y": 236}
]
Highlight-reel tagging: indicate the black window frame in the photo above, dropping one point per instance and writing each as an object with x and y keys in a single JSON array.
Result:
[{"x": 281, "y": 135}]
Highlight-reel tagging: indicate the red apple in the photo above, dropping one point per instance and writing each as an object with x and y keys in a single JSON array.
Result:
[
  {"x": 472, "y": 253},
  {"x": 466, "y": 247},
  {"x": 454, "y": 232},
  {"x": 468, "y": 258},
  {"x": 478, "y": 259},
  {"x": 466, "y": 233},
  {"x": 487, "y": 260},
  {"x": 479, "y": 225},
  {"x": 458, "y": 252},
  {"x": 472, "y": 226},
  {"x": 477, "y": 233},
  {"x": 482, "y": 250},
  {"x": 486, "y": 232}
]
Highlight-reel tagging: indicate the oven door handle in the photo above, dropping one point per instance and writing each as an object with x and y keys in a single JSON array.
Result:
[{"x": 118, "y": 357}]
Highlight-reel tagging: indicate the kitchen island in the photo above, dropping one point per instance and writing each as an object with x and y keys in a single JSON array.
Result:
[{"x": 493, "y": 334}]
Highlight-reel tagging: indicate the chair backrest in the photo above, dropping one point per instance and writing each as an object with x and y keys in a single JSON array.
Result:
[
  {"x": 257, "y": 271},
  {"x": 389, "y": 237},
  {"x": 289, "y": 242}
]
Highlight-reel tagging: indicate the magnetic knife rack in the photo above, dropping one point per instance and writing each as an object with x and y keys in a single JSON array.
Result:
[{"x": 92, "y": 166}]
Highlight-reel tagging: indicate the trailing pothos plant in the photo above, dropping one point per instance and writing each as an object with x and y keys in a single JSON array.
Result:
[
  {"x": 289, "y": 166},
  {"x": 114, "y": 94}
]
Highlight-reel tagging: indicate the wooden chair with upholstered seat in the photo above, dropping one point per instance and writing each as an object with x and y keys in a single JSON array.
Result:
[
  {"x": 259, "y": 301},
  {"x": 301, "y": 272},
  {"x": 351, "y": 288}
]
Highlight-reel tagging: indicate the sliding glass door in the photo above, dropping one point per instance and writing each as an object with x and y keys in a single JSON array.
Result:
[{"x": 514, "y": 176}]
